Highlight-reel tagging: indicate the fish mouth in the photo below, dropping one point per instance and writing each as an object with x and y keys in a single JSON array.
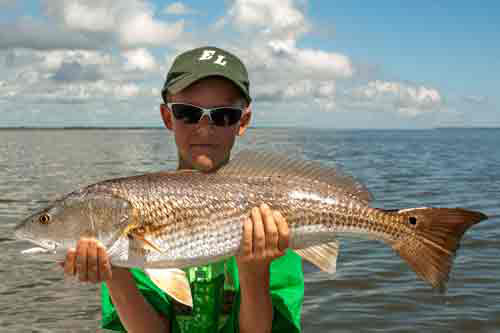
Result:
[{"x": 47, "y": 244}]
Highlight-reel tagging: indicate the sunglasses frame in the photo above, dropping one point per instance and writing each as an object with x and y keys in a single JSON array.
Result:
[{"x": 206, "y": 112}]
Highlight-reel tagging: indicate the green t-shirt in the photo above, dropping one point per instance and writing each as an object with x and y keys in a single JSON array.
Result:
[{"x": 216, "y": 298}]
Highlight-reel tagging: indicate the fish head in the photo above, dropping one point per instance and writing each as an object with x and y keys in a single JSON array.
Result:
[
  {"x": 83, "y": 213},
  {"x": 48, "y": 227}
]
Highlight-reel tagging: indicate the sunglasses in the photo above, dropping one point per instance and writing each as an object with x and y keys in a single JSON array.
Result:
[{"x": 220, "y": 116}]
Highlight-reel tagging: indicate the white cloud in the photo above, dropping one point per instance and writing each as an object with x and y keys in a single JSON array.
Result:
[
  {"x": 106, "y": 89},
  {"x": 142, "y": 29},
  {"x": 310, "y": 89},
  {"x": 128, "y": 22},
  {"x": 317, "y": 62},
  {"x": 52, "y": 60},
  {"x": 127, "y": 90},
  {"x": 474, "y": 99},
  {"x": 301, "y": 94},
  {"x": 407, "y": 99},
  {"x": 299, "y": 89},
  {"x": 327, "y": 89},
  {"x": 44, "y": 63},
  {"x": 415, "y": 94},
  {"x": 84, "y": 16},
  {"x": 6, "y": 90},
  {"x": 279, "y": 19},
  {"x": 67, "y": 77},
  {"x": 178, "y": 8},
  {"x": 139, "y": 59},
  {"x": 74, "y": 71},
  {"x": 280, "y": 70},
  {"x": 33, "y": 34}
]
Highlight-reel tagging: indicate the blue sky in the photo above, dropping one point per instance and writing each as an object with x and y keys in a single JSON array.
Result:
[
  {"x": 441, "y": 44},
  {"x": 333, "y": 64}
]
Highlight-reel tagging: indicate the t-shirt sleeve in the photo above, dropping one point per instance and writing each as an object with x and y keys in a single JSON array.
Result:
[
  {"x": 153, "y": 295},
  {"x": 287, "y": 294}
]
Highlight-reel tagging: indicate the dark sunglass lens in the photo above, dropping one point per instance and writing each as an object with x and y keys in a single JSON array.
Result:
[
  {"x": 189, "y": 113},
  {"x": 225, "y": 116}
]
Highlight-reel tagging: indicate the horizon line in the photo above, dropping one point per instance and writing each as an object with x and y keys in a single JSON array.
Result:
[{"x": 250, "y": 127}]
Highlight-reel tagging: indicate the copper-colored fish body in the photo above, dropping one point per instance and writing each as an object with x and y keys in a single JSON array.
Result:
[{"x": 179, "y": 219}]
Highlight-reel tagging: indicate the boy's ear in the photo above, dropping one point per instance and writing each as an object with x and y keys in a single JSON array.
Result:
[
  {"x": 245, "y": 120},
  {"x": 166, "y": 115}
]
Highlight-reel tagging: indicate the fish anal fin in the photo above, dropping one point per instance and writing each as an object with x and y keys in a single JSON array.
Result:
[
  {"x": 174, "y": 282},
  {"x": 323, "y": 256}
]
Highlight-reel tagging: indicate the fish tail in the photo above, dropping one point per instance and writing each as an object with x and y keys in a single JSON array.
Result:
[{"x": 431, "y": 249}]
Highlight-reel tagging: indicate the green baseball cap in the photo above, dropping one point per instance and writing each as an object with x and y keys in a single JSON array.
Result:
[{"x": 203, "y": 62}]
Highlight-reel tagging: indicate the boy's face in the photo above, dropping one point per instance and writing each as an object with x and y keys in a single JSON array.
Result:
[{"x": 204, "y": 146}]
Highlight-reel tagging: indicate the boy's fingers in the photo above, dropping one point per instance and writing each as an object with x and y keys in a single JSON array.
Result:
[
  {"x": 81, "y": 260},
  {"x": 104, "y": 265},
  {"x": 283, "y": 231},
  {"x": 247, "y": 242},
  {"x": 69, "y": 262},
  {"x": 92, "y": 262},
  {"x": 270, "y": 228},
  {"x": 259, "y": 240}
]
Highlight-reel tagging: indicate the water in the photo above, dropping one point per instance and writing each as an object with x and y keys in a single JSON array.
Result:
[{"x": 373, "y": 291}]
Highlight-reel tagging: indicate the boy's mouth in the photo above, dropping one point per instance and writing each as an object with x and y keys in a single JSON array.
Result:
[{"x": 203, "y": 145}]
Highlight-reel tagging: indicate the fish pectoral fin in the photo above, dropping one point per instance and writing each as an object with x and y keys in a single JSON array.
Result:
[
  {"x": 323, "y": 256},
  {"x": 144, "y": 242},
  {"x": 174, "y": 282}
]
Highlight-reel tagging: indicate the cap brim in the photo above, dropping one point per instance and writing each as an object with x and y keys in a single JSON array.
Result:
[{"x": 190, "y": 78}]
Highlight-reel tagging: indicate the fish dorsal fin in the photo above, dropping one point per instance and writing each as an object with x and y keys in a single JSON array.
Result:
[
  {"x": 323, "y": 256},
  {"x": 266, "y": 164},
  {"x": 174, "y": 282}
]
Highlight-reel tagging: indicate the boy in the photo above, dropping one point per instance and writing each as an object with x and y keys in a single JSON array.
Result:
[{"x": 207, "y": 104}]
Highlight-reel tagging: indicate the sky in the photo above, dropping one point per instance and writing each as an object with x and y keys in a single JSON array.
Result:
[{"x": 317, "y": 64}]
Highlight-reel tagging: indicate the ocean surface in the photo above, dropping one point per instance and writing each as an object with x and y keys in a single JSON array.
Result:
[{"x": 373, "y": 290}]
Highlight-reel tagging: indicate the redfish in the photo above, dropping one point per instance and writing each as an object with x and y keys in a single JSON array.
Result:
[{"x": 189, "y": 218}]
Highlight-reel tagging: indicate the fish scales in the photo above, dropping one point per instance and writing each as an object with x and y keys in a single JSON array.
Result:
[
  {"x": 205, "y": 218},
  {"x": 187, "y": 218}
]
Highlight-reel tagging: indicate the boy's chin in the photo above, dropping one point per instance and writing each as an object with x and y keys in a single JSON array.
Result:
[{"x": 204, "y": 163}]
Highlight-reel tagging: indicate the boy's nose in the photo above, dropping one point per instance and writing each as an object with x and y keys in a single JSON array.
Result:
[
  {"x": 205, "y": 127},
  {"x": 204, "y": 121}
]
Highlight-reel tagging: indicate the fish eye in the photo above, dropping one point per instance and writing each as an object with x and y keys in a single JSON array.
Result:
[
  {"x": 44, "y": 219},
  {"x": 412, "y": 220}
]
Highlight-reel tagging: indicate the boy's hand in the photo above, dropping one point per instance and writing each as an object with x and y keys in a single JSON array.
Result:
[
  {"x": 265, "y": 238},
  {"x": 89, "y": 261}
]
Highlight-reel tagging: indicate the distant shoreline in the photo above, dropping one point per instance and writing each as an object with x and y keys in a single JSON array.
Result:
[
  {"x": 29, "y": 128},
  {"x": 458, "y": 127},
  {"x": 79, "y": 128}
]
